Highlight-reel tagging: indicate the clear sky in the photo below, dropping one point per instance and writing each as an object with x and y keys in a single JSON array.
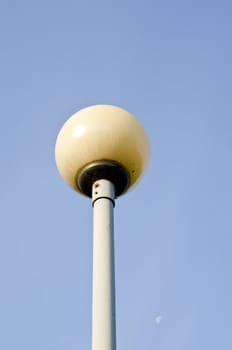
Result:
[{"x": 168, "y": 63}]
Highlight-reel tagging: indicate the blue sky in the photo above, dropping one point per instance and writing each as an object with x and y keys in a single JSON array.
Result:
[{"x": 168, "y": 63}]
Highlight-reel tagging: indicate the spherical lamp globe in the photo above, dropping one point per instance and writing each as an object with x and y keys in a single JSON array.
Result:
[{"x": 102, "y": 142}]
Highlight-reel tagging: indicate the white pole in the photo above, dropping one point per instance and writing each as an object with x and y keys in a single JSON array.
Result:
[{"x": 103, "y": 308}]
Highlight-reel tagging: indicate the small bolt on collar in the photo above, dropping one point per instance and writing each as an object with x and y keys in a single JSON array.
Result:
[{"x": 103, "y": 189}]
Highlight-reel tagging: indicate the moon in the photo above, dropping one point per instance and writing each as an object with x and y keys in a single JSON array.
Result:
[{"x": 158, "y": 319}]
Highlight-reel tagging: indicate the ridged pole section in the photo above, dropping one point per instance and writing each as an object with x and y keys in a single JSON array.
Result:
[{"x": 103, "y": 303}]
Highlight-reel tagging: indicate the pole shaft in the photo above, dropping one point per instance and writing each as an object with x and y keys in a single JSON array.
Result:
[{"x": 103, "y": 307}]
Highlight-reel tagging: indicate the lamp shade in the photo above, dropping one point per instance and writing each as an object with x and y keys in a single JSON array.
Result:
[{"x": 101, "y": 133}]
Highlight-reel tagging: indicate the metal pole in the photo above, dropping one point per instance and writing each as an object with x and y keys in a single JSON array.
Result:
[{"x": 103, "y": 307}]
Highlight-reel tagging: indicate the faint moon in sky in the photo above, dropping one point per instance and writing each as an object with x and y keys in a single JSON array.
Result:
[{"x": 158, "y": 319}]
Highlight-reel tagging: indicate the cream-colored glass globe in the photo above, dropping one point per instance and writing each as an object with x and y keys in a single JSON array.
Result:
[{"x": 101, "y": 132}]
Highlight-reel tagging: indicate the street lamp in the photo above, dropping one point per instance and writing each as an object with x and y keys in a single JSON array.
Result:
[{"x": 101, "y": 152}]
